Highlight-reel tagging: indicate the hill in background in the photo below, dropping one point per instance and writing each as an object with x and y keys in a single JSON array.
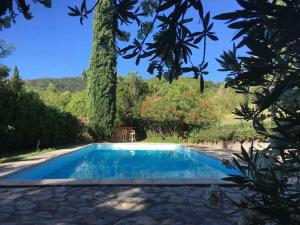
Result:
[{"x": 72, "y": 84}]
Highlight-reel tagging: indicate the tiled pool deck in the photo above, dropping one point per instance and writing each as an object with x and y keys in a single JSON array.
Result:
[{"x": 114, "y": 205}]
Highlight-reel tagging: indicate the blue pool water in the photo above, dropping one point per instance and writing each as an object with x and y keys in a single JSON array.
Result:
[{"x": 122, "y": 161}]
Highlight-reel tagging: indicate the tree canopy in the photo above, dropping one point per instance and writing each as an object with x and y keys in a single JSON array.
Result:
[
  {"x": 165, "y": 36},
  {"x": 270, "y": 73},
  {"x": 9, "y": 9},
  {"x": 5, "y": 50},
  {"x": 25, "y": 119}
]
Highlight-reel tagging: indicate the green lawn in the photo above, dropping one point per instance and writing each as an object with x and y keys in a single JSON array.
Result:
[
  {"x": 165, "y": 139},
  {"x": 13, "y": 156}
]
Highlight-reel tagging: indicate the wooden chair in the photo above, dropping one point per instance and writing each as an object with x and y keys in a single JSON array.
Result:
[
  {"x": 124, "y": 136},
  {"x": 132, "y": 136}
]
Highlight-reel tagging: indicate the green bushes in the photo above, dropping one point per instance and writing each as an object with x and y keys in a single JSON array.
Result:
[
  {"x": 25, "y": 119},
  {"x": 163, "y": 112},
  {"x": 230, "y": 132},
  {"x": 77, "y": 104},
  {"x": 131, "y": 91},
  {"x": 171, "y": 110},
  {"x": 234, "y": 132}
]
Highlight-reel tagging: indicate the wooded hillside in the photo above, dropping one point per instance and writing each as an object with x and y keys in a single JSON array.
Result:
[{"x": 72, "y": 84}]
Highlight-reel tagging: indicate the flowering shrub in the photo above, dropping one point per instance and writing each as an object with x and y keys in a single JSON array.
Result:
[{"x": 171, "y": 111}]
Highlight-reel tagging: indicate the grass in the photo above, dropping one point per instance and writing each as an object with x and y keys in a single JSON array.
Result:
[
  {"x": 13, "y": 156},
  {"x": 238, "y": 132},
  {"x": 164, "y": 139}
]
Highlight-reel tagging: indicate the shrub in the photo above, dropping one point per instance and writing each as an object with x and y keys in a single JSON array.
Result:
[
  {"x": 77, "y": 104},
  {"x": 130, "y": 92},
  {"x": 25, "y": 119},
  {"x": 174, "y": 110},
  {"x": 236, "y": 132}
]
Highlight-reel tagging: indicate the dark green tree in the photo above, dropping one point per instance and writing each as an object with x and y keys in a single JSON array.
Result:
[
  {"x": 5, "y": 50},
  {"x": 102, "y": 76},
  {"x": 25, "y": 119},
  {"x": 8, "y": 12},
  {"x": 84, "y": 77},
  {"x": 270, "y": 75},
  {"x": 15, "y": 81},
  {"x": 130, "y": 92}
]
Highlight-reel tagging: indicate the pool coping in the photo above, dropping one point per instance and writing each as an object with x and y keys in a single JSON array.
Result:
[
  {"x": 114, "y": 182},
  {"x": 106, "y": 182},
  {"x": 37, "y": 161}
]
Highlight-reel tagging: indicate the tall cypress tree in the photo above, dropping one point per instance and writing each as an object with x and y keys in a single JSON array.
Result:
[
  {"x": 15, "y": 81},
  {"x": 102, "y": 76}
]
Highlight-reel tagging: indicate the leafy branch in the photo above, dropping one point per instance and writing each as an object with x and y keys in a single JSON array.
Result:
[{"x": 170, "y": 48}]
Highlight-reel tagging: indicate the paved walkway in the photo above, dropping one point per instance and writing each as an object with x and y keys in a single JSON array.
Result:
[
  {"x": 113, "y": 205},
  {"x": 224, "y": 150}
]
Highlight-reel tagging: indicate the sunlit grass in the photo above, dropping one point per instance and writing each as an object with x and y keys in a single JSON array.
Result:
[
  {"x": 13, "y": 156},
  {"x": 164, "y": 139}
]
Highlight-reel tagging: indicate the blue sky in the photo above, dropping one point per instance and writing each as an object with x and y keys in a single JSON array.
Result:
[{"x": 54, "y": 44}]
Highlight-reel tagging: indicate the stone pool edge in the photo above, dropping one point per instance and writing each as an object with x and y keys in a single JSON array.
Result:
[
  {"x": 114, "y": 182},
  {"x": 105, "y": 182},
  {"x": 13, "y": 167}
]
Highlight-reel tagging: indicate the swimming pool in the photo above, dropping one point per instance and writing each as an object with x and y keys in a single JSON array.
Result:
[{"x": 128, "y": 161}]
